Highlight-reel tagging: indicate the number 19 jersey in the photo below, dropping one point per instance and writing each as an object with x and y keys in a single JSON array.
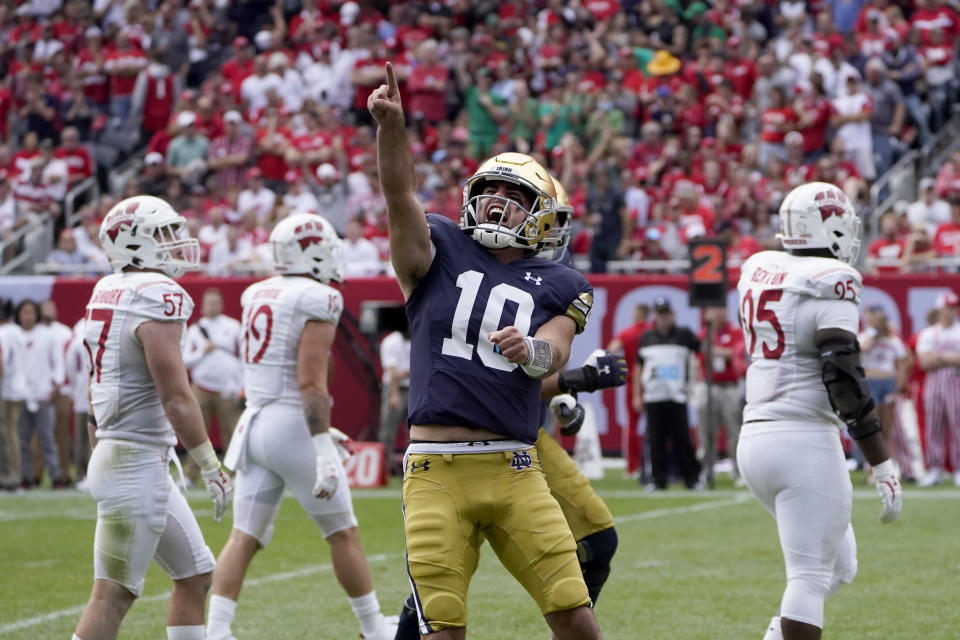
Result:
[
  {"x": 784, "y": 300},
  {"x": 123, "y": 394},
  {"x": 275, "y": 312}
]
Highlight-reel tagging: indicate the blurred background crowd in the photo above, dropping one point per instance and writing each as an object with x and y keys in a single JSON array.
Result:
[{"x": 664, "y": 119}]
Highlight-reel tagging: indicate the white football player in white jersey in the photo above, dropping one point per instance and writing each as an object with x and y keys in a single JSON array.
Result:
[
  {"x": 141, "y": 403},
  {"x": 283, "y": 438},
  {"x": 800, "y": 321}
]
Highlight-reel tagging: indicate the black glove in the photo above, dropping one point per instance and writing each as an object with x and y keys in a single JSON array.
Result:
[{"x": 602, "y": 370}]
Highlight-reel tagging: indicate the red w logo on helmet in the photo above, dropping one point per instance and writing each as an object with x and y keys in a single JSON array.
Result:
[
  {"x": 829, "y": 210},
  {"x": 306, "y": 241},
  {"x": 114, "y": 230}
]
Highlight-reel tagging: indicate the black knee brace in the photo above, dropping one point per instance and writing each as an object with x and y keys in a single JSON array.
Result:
[
  {"x": 409, "y": 627},
  {"x": 595, "y": 552}
]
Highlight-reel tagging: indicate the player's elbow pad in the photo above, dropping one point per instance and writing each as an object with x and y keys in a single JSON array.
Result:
[{"x": 847, "y": 387}]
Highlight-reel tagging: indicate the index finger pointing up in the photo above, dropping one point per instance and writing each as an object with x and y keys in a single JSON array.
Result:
[{"x": 392, "y": 80}]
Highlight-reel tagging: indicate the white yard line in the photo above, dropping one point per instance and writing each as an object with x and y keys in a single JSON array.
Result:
[
  {"x": 691, "y": 508},
  {"x": 283, "y": 576}
]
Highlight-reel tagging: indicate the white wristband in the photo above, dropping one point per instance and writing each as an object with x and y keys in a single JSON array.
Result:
[
  {"x": 885, "y": 468},
  {"x": 323, "y": 444},
  {"x": 539, "y": 357},
  {"x": 205, "y": 456}
]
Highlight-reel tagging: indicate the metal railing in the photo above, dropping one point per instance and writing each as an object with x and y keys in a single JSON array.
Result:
[
  {"x": 898, "y": 183},
  {"x": 70, "y": 213},
  {"x": 24, "y": 256}
]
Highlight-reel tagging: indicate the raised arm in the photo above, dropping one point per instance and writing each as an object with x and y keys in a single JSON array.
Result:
[{"x": 410, "y": 248}]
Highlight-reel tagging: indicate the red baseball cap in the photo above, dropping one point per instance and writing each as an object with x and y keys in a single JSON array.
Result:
[
  {"x": 240, "y": 41},
  {"x": 254, "y": 172},
  {"x": 291, "y": 176}
]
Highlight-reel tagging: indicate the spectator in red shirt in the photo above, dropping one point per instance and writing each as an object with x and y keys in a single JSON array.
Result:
[
  {"x": 427, "y": 84},
  {"x": 240, "y": 66},
  {"x": 726, "y": 368},
  {"x": 628, "y": 341},
  {"x": 89, "y": 64},
  {"x": 813, "y": 118},
  {"x": 272, "y": 141},
  {"x": 948, "y": 177},
  {"x": 775, "y": 122},
  {"x": 889, "y": 247},
  {"x": 946, "y": 241},
  {"x": 122, "y": 65},
  {"x": 229, "y": 153},
  {"x": 78, "y": 160},
  {"x": 740, "y": 71}
]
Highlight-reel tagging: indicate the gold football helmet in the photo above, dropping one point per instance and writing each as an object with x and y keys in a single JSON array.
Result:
[
  {"x": 521, "y": 170},
  {"x": 558, "y": 238}
]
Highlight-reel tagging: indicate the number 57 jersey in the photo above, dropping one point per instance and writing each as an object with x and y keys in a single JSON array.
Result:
[
  {"x": 784, "y": 300},
  {"x": 123, "y": 395},
  {"x": 275, "y": 312}
]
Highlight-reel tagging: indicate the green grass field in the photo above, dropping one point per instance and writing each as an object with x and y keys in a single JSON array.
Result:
[{"x": 692, "y": 566}]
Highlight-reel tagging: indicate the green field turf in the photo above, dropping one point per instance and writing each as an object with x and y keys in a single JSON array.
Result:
[{"x": 692, "y": 566}]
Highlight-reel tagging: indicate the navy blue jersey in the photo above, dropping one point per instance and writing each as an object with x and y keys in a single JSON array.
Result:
[{"x": 456, "y": 378}]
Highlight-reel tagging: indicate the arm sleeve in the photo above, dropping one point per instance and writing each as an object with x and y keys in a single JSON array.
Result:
[
  {"x": 579, "y": 309},
  {"x": 323, "y": 304},
  {"x": 163, "y": 300},
  {"x": 837, "y": 314}
]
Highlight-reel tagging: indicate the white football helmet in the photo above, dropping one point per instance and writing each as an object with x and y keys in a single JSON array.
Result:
[
  {"x": 558, "y": 238},
  {"x": 819, "y": 215},
  {"x": 307, "y": 244},
  {"x": 146, "y": 232},
  {"x": 523, "y": 171}
]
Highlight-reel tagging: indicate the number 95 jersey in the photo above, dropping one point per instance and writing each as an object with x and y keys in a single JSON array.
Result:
[
  {"x": 456, "y": 377},
  {"x": 275, "y": 311},
  {"x": 123, "y": 394},
  {"x": 784, "y": 300}
]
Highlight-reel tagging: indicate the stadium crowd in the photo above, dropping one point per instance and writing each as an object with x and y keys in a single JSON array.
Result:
[{"x": 664, "y": 119}]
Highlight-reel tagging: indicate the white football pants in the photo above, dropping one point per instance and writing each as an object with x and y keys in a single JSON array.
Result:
[{"x": 798, "y": 472}]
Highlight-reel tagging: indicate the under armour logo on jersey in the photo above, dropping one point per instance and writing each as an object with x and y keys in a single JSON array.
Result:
[
  {"x": 423, "y": 466},
  {"x": 521, "y": 460},
  {"x": 532, "y": 278}
]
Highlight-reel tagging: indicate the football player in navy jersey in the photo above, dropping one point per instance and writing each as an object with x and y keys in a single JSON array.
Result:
[{"x": 488, "y": 321}]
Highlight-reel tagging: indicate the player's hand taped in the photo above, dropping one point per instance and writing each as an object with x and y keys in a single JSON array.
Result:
[
  {"x": 219, "y": 488},
  {"x": 611, "y": 368},
  {"x": 327, "y": 466},
  {"x": 343, "y": 443},
  {"x": 888, "y": 486},
  {"x": 568, "y": 412}
]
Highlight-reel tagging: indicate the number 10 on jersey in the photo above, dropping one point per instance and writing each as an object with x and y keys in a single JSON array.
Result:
[{"x": 457, "y": 346}]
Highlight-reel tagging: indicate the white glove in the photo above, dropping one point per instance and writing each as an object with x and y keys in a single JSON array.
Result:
[
  {"x": 219, "y": 488},
  {"x": 888, "y": 486},
  {"x": 342, "y": 442},
  {"x": 568, "y": 412},
  {"x": 218, "y": 484},
  {"x": 327, "y": 466}
]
